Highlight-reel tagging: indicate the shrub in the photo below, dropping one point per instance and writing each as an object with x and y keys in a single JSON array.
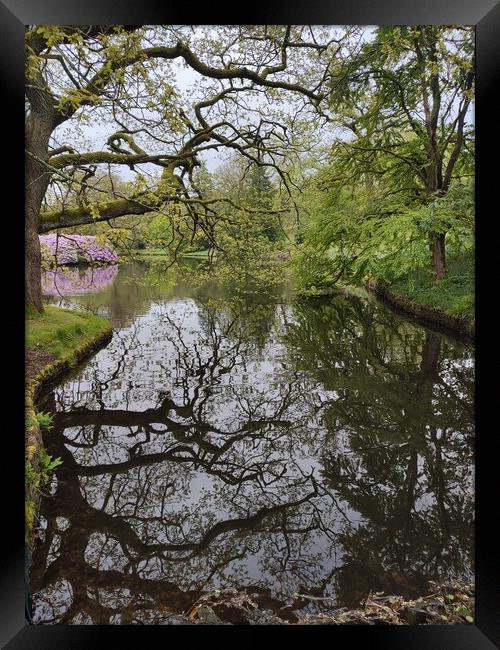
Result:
[{"x": 76, "y": 249}]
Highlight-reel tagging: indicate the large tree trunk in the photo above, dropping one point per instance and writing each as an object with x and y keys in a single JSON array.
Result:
[
  {"x": 38, "y": 131},
  {"x": 33, "y": 279},
  {"x": 437, "y": 248}
]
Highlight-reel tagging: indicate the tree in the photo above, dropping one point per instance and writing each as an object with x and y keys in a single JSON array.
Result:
[
  {"x": 123, "y": 77},
  {"x": 261, "y": 194},
  {"x": 405, "y": 101},
  {"x": 248, "y": 184}
]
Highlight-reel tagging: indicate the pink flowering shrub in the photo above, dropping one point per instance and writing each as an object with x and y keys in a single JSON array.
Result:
[
  {"x": 75, "y": 249},
  {"x": 58, "y": 282}
]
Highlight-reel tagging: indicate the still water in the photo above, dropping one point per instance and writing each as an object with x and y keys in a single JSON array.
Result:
[{"x": 306, "y": 452}]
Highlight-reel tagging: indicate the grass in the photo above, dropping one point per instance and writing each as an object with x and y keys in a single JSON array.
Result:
[
  {"x": 151, "y": 252},
  {"x": 161, "y": 252},
  {"x": 60, "y": 331},
  {"x": 197, "y": 254},
  {"x": 453, "y": 295}
]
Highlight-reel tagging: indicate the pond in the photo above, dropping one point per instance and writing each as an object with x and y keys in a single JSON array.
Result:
[{"x": 307, "y": 452}]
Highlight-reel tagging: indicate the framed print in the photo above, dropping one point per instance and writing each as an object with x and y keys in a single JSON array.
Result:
[{"x": 250, "y": 277}]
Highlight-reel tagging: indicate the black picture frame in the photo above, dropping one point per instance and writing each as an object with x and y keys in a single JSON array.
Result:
[{"x": 14, "y": 15}]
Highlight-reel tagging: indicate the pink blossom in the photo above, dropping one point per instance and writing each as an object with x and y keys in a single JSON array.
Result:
[{"x": 76, "y": 249}]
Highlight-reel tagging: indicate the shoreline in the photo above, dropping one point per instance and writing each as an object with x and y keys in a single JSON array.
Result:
[
  {"x": 421, "y": 312},
  {"x": 448, "y": 603},
  {"x": 459, "y": 327},
  {"x": 43, "y": 370}
]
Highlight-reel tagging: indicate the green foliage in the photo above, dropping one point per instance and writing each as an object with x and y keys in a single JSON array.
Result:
[
  {"x": 29, "y": 519},
  {"x": 29, "y": 474},
  {"x": 44, "y": 420},
  {"x": 451, "y": 213},
  {"x": 313, "y": 269},
  {"x": 52, "y": 34},
  {"x": 250, "y": 186},
  {"x": 360, "y": 235},
  {"x": 258, "y": 194},
  {"x": 398, "y": 104},
  {"x": 454, "y": 294},
  {"x": 47, "y": 465},
  {"x": 159, "y": 232},
  {"x": 406, "y": 151},
  {"x": 38, "y": 478},
  {"x": 239, "y": 238},
  {"x": 35, "y": 479},
  {"x": 246, "y": 264}
]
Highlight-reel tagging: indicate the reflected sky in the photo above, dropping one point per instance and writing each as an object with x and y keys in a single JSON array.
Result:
[{"x": 306, "y": 453}]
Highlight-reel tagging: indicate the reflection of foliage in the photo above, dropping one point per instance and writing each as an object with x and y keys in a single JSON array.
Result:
[
  {"x": 403, "y": 424},
  {"x": 260, "y": 282},
  {"x": 191, "y": 447},
  {"x": 119, "y": 293},
  {"x": 249, "y": 263}
]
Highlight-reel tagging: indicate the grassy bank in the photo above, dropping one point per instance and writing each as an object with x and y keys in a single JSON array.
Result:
[
  {"x": 448, "y": 303},
  {"x": 61, "y": 332},
  {"x": 56, "y": 341},
  {"x": 162, "y": 252},
  {"x": 454, "y": 295},
  {"x": 150, "y": 252}
]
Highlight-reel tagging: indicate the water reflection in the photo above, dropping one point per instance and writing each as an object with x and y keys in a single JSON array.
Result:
[
  {"x": 317, "y": 449},
  {"x": 401, "y": 443},
  {"x": 77, "y": 280}
]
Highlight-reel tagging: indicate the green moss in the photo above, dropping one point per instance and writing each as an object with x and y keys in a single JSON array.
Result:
[
  {"x": 453, "y": 295},
  {"x": 61, "y": 331}
]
